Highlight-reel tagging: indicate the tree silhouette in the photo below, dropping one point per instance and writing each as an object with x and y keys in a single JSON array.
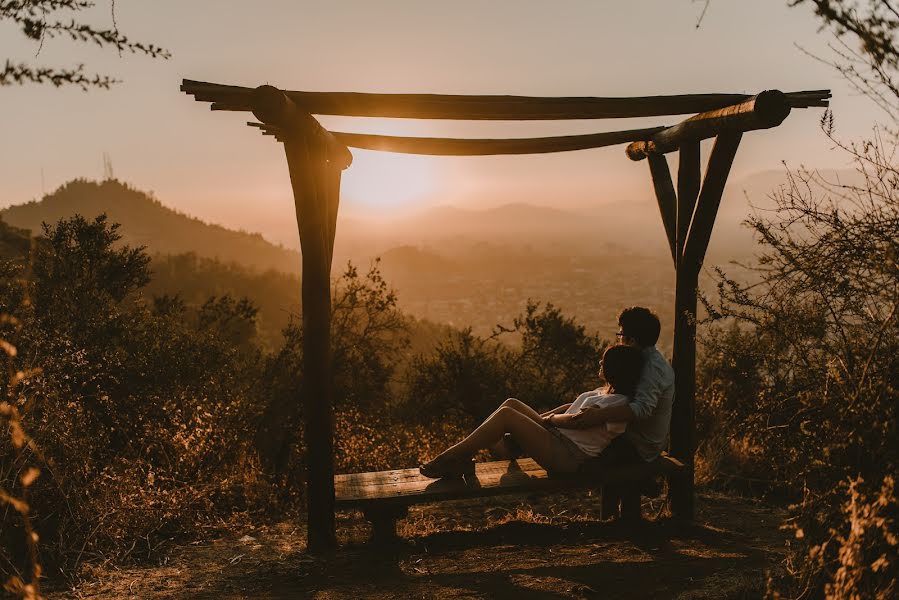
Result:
[
  {"x": 43, "y": 19},
  {"x": 871, "y": 63}
]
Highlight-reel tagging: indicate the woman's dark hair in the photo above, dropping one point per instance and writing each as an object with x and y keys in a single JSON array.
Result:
[
  {"x": 621, "y": 366},
  {"x": 640, "y": 323}
]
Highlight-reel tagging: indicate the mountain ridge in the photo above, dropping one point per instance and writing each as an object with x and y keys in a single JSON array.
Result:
[{"x": 145, "y": 221}]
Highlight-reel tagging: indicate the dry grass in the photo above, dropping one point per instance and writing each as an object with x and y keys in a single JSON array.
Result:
[
  {"x": 533, "y": 546},
  {"x": 24, "y": 579}
]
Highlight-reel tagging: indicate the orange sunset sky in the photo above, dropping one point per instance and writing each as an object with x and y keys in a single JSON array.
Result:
[{"x": 212, "y": 166}]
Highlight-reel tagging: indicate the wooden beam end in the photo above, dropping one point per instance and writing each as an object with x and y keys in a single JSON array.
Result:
[
  {"x": 638, "y": 150},
  {"x": 772, "y": 107},
  {"x": 269, "y": 104}
]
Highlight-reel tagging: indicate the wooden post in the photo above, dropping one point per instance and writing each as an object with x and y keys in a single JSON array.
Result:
[
  {"x": 631, "y": 509},
  {"x": 383, "y": 523},
  {"x": 308, "y": 174},
  {"x": 315, "y": 161},
  {"x": 688, "y": 185},
  {"x": 684, "y": 359},
  {"x": 667, "y": 199},
  {"x": 720, "y": 161},
  {"x": 695, "y": 218},
  {"x": 684, "y": 363}
]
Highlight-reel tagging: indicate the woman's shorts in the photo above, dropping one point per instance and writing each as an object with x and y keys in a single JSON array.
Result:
[{"x": 566, "y": 456}]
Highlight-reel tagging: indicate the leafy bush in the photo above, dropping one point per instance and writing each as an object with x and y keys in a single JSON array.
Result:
[
  {"x": 368, "y": 337},
  {"x": 468, "y": 376},
  {"x": 379, "y": 442},
  {"x": 799, "y": 393},
  {"x": 465, "y": 377},
  {"x": 558, "y": 358},
  {"x": 141, "y": 409}
]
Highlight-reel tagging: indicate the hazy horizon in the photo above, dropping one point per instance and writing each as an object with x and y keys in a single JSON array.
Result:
[{"x": 420, "y": 223}]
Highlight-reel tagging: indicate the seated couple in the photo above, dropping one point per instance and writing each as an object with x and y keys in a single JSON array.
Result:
[{"x": 625, "y": 421}]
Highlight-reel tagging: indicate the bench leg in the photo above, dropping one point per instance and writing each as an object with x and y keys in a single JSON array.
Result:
[
  {"x": 631, "y": 511},
  {"x": 610, "y": 498},
  {"x": 383, "y": 522}
]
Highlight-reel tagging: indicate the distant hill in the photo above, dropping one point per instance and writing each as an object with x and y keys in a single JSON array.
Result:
[{"x": 145, "y": 221}]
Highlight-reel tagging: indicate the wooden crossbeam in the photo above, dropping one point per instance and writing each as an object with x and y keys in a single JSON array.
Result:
[
  {"x": 483, "y": 147},
  {"x": 486, "y": 107},
  {"x": 476, "y": 146},
  {"x": 766, "y": 110}
]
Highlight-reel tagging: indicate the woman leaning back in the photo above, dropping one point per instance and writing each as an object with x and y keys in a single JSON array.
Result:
[{"x": 549, "y": 438}]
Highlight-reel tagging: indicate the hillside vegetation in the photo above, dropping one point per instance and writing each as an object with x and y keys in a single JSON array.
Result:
[{"x": 150, "y": 398}]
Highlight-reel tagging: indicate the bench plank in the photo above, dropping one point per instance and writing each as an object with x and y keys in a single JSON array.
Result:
[{"x": 404, "y": 487}]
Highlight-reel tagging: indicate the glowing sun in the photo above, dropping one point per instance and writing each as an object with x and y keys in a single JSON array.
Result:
[{"x": 387, "y": 180}]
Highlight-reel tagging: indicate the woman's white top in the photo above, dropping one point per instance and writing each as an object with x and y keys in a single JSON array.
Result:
[{"x": 594, "y": 440}]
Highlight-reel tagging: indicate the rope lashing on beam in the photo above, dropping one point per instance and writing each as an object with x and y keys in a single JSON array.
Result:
[{"x": 519, "y": 108}]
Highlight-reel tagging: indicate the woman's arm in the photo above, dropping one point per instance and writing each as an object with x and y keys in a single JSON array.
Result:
[
  {"x": 562, "y": 421},
  {"x": 557, "y": 410},
  {"x": 595, "y": 415}
]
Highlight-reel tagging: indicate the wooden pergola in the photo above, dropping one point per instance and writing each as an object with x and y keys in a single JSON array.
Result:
[{"x": 316, "y": 157}]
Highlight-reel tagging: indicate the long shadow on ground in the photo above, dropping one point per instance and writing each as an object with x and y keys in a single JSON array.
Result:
[
  {"x": 527, "y": 560},
  {"x": 518, "y": 559}
]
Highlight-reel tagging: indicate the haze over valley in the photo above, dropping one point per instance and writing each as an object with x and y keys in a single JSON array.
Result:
[{"x": 457, "y": 266}]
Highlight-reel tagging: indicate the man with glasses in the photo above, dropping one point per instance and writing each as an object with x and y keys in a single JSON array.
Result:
[{"x": 648, "y": 414}]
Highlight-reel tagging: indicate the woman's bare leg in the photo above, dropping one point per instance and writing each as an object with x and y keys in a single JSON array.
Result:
[
  {"x": 500, "y": 449},
  {"x": 533, "y": 438},
  {"x": 524, "y": 409}
]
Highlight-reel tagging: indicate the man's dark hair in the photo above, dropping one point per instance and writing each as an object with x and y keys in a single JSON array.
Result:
[
  {"x": 621, "y": 366},
  {"x": 641, "y": 324}
]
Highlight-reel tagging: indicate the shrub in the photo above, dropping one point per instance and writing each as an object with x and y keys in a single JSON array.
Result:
[
  {"x": 799, "y": 392},
  {"x": 850, "y": 553},
  {"x": 465, "y": 378},
  {"x": 141, "y": 409},
  {"x": 468, "y": 376},
  {"x": 368, "y": 336}
]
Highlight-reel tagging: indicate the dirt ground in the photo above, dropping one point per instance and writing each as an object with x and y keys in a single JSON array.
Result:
[{"x": 522, "y": 548}]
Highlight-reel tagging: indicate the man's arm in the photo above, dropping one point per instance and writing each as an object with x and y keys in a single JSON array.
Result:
[{"x": 652, "y": 382}]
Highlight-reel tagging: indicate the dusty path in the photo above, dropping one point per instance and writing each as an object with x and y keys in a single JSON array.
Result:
[{"x": 519, "y": 548}]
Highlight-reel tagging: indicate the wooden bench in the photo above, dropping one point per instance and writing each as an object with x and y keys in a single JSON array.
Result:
[{"x": 385, "y": 496}]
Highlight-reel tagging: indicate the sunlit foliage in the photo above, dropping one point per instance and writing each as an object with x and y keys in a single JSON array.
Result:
[
  {"x": 799, "y": 394},
  {"x": 141, "y": 408}
]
